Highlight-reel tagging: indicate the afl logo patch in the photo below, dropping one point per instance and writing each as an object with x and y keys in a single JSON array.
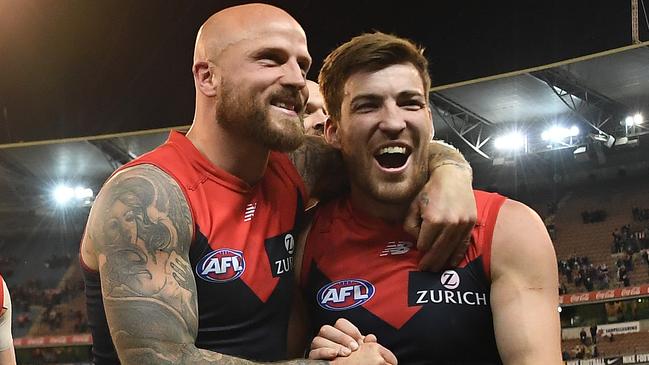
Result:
[
  {"x": 345, "y": 294},
  {"x": 221, "y": 266},
  {"x": 450, "y": 279}
]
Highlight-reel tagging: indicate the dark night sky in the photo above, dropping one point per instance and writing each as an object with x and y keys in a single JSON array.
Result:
[{"x": 77, "y": 67}]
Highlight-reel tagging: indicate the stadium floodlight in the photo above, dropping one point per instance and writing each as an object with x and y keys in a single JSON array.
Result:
[
  {"x": 638, "y": 119},
  {"x": 63, "y": 194},
  {"x": 511, "y": 141},
  {"x": 558, "y": 134},
  {"x": 632, "y": 120},
  {"x": 83, "y": 193}
]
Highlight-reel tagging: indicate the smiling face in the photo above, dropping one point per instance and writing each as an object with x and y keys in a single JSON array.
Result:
[
  {"x": 383, "y": 133},
  {"x": 261, "y": 68}
]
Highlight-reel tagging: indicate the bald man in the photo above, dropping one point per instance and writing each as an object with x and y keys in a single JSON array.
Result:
[
  {"x": 188, "y": 250},
  {"x": 315, "y": 115}
]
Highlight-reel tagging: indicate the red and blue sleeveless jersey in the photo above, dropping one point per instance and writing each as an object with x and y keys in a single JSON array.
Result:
[
  {"x": 241, "y": 253},
  {"x": 365, "y": 270}
]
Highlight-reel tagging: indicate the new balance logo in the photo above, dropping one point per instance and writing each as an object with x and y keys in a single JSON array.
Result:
[
  {"x": 396, "y": 248},
  {"x": 250, "y": 212}
]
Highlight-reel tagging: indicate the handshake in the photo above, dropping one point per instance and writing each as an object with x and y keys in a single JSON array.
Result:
[{"x": 344, "y": 344}]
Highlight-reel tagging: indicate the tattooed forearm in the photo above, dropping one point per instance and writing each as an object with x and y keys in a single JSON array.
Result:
[{"x": 321, "y": 168}]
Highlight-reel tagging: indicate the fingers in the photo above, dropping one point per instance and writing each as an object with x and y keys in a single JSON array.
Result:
[
  {"x": 429, "y": 234},
  {"x": 461, "y": 249},
  {"x": 388, "y": 356},
  {"x": 324, "y": 354},
  {"x": 412, "y": 222},
  {"x": 333, "y": 338},
  {"x": 322, "y": 348},
  {"x": 347, "y": 328},
  {"x": 449, "y": 248},
  {"x": 370, "y": 338},
  {"x": 436, "y": 255}
]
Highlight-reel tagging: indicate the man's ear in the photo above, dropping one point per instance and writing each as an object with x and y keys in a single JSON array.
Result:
[
  {"x": 331, "y": 132},
  {"x": 205, "y": 78}
]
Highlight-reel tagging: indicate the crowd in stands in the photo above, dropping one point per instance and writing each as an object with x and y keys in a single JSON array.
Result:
[
  {"x": 588, "y": 277},
  {"x": 580, "y": 271},
  {"x": 627, "y": 246},
  {"x": 630, "y": 241},
  {"x": 34, "y": 301},
  {"x": 587, "y": 347}
]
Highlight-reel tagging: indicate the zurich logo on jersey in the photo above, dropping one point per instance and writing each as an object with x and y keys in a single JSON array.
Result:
[
  {"x": 221, "y": 266},
  {"x": 345, "y": 294}
]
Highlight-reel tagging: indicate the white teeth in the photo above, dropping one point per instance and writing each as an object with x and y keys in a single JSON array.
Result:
[
  {"x": 284, "y": 105},
  {"x": 392, "y": 149}
]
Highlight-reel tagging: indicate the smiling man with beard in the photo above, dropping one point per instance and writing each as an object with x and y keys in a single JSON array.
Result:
[
  {"x": 498, "y": 306},
  {"x": 188, "y": 251}
]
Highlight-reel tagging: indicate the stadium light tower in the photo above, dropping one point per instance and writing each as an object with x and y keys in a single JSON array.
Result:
[{"x": 513, "y": 141}]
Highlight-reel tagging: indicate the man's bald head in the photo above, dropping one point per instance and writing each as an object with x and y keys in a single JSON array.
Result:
[
  {"x": 250, "y": 64},
  {"x": 236, "y": 23}
]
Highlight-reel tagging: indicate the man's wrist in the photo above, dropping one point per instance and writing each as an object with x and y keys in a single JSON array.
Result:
[{"x": 462, "y": 165}]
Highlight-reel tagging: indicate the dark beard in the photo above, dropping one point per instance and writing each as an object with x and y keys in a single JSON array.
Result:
[{"x": 247, "y": 115}]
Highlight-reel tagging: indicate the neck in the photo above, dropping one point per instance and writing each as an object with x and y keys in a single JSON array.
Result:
[
  {"x": 229, "y": 151},
  {"x": 387, "y": 211}
]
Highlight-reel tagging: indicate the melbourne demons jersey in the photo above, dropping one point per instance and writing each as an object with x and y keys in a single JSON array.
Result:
[
  {"x": 362, "y": 269},
  {"x": 241, "y": 254}
]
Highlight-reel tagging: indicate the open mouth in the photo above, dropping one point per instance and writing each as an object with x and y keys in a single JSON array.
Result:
[
  {"x": 284, "y": 105},
  {"x": 393, "y": 157},
  {"x": 288, "y": 103}
]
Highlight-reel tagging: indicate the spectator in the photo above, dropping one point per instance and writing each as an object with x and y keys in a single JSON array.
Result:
[
  {"x": 605, "y": 282},
  {"x": 582, "y": 336},
  {"x": 578, "y": 280},
  {"x": 593, "y": 332},
  {"x": 623, "y": 276},
  {"x": 563, "y": 289}
]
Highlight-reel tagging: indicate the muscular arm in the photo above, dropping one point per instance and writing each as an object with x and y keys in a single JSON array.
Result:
[
  {"x": 140, "y": 230},
  {"x": 524, "y": 296}
]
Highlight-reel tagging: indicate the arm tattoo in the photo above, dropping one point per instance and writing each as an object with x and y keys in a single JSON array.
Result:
[
  {"x": 321, "y": 168},
  {"x": 140, "y": 229},
  {"x": 423, "y": 199}
]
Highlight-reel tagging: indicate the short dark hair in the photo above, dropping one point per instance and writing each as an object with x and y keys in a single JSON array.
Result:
[{"x": 367, "y": 52}]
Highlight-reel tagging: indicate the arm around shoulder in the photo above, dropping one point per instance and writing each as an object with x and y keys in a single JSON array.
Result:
[{"x": 524, "y": 297}]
